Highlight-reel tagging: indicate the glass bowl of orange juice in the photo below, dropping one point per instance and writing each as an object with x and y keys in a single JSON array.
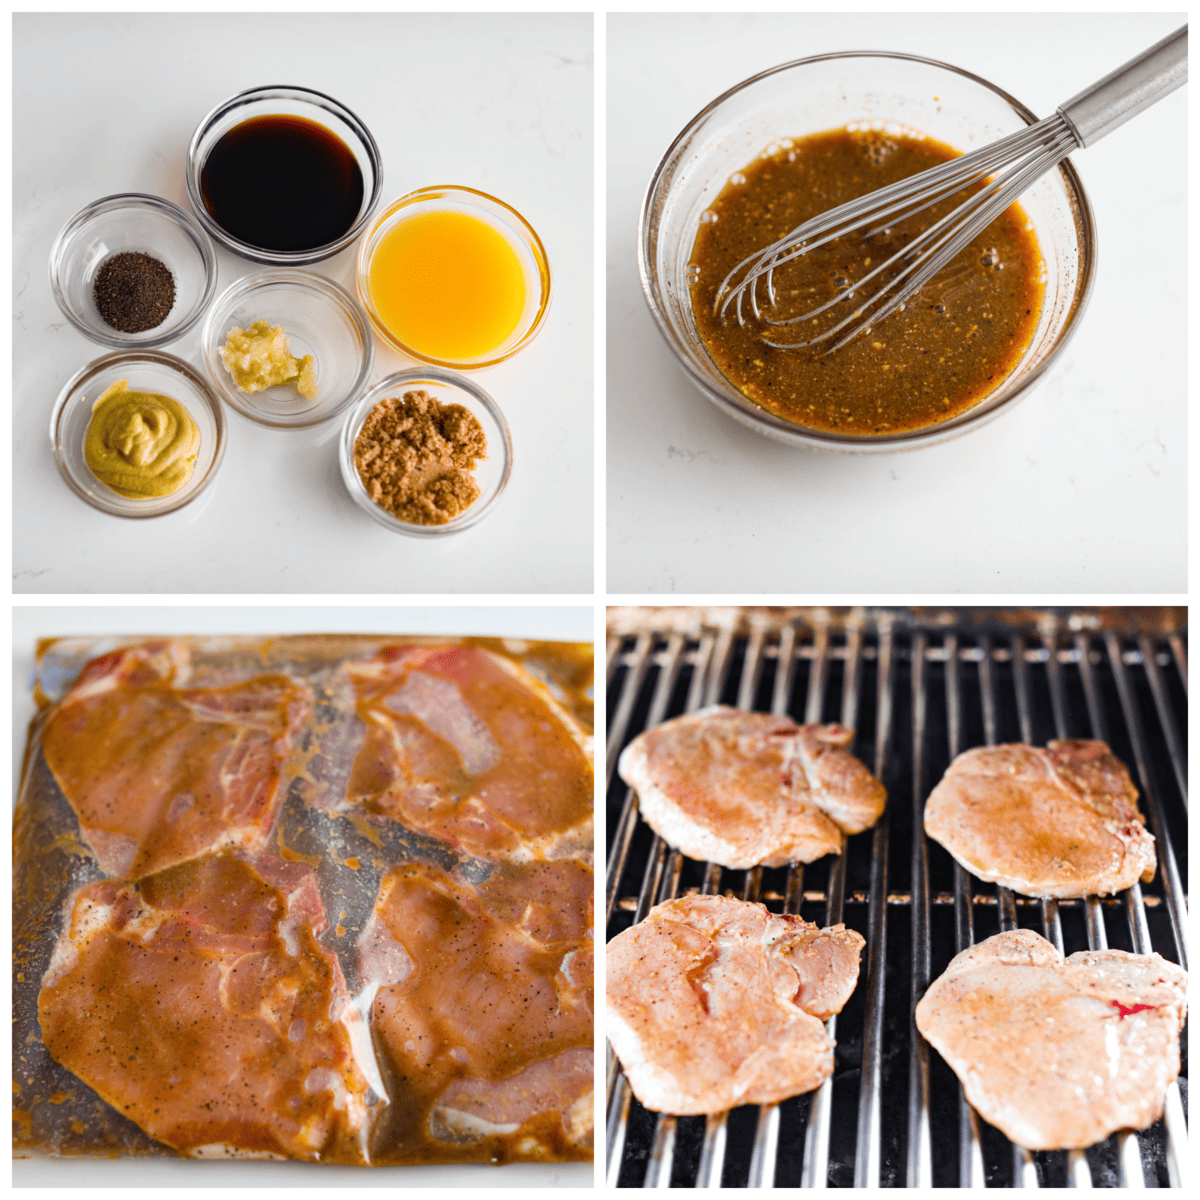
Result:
[{"x": 453, "y": 277}]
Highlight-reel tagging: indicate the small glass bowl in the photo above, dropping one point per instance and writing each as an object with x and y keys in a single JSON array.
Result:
[
  {"x": 146, "y": 372},
  {"x": 320, "y": 318},
  {"x": 279, "y": 100},
  {"x": 502, "y": 217},
  {"x": 812, "y": 95},
  {"x": 132, "y": 222},
  {"x": 491, "y": 474}
]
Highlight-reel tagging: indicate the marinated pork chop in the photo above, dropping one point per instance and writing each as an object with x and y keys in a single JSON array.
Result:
[
  {"x": 157, "y": 772},
  {"x": 199, "y": 1004},
  {"x": 1058, "y": 822},
  {"x": 484, "y": 1000},
  {"x": 1058, "y": 1053},
  {"x": 745, "y": 788},
  {"x": 714, "y": 1002},
  {"x": 466, "y": 746}
]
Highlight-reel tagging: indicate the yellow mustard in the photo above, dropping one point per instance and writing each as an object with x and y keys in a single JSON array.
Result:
[{"x": 140, "y": 444}]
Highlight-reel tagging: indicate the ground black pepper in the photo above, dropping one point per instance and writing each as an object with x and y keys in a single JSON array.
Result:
[{"x": 134, "y": 292}]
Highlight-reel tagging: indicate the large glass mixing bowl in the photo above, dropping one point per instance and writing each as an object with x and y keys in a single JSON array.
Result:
[{"x": 827, "y": 92}]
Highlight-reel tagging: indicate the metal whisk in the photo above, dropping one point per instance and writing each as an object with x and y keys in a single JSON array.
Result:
[{"x": 1021, "y": 159}]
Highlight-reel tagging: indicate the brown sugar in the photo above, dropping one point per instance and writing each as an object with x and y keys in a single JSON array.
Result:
[{"x": 415, "y": 457}]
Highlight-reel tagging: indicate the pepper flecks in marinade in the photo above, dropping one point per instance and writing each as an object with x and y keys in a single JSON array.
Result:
[
  {"x": 484, "y": 1005},
  {"x": 466, "y": 747},
  {"x": 200, "y": 1004},
  {"x": 951, "y": 345}
]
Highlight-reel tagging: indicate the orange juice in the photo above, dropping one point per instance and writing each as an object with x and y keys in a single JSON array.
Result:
[{"x": 447, "y": 285}]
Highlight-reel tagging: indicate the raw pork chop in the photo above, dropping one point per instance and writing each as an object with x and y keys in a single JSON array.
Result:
[
  {"x": 714, "y": 1002},
  {"x": 1058, "y": 1053},
  {"x": 745, "y": 788},
  {"x": 199, "y": 1004},
  {"x": 485, "y": 998},
  {"x": 466, "y": 746},
  {"x": 157, "y": 772},
  {"x": 1058, "y": 822}
]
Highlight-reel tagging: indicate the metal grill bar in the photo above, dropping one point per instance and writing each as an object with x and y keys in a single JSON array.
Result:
[
  {"x": 867, "y": 1160},
  {"x": 1079, "y": 1174},
  {"x": 1051, "y": 922},
  {"x": 712, "y": 658},
  {"x": 816, "y": 1142},
  {"x": 970, "y": 1163},
  {"x": 628, "y": 822},
  {"x": 920, "y": 1149},
  {"x": 1129, "y": 1161},
  {"x": 700, "y": 694},
  {"x": 620, "y": 721},
  {"x": 715, "y": 1135},
  {"x": 1179, "y": 653},
  {"x": 612, "y": 649},
  {"x": 712, "y": 1154},
  {"x": 620, "y": 1096},
  {"x": 1166, "y": 856},
  {"x": 765, "y": 1151},
  {"x": 1024, "y": 1170},
  {"x": 1166, "y": 718}
]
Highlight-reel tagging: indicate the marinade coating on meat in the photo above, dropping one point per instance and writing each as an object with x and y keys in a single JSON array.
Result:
[
  {"x": 1060, "y": 822},
  {"x": 484, "y": 1002},
  {"x": 533, "y": 1102},
  {"x": 714, "y": 1002},
  {"x": 200, "y": 1005},
  {"x": 466, "y": 746},
  {"x": 158, "y": 772},
  {"x": 745, "y": 789},
  {"x": 1058, "y": 1053}
]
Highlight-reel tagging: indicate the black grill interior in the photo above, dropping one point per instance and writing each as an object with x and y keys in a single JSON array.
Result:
[{"x": 1022, "y": 660}]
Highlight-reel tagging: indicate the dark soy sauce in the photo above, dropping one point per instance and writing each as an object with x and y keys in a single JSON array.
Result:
[{"x": 282, "y": 183}]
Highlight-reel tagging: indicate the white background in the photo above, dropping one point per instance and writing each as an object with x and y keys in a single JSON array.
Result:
[
  {"x": 1081, "y": 488},
  {"x": 503, "y": 103}
]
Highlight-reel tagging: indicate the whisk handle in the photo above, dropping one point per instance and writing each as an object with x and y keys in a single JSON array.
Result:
[{"x": 1141, "y": 82}]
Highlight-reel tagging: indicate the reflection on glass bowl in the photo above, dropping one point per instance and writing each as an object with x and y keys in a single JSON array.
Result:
[
  {"x": 147, "y": 371},
  {"x": 142, "y": 224},
  {"x": 320, "y": 318},
  {"x": 814, "y": 95},
  {"x": 285, "y": 101},
  {"x": 385, "y": 290},
  {"x": 491, "y": 474}
]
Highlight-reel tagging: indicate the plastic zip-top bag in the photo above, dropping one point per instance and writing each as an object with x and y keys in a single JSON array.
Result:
[{"x": 320, "y": 898}]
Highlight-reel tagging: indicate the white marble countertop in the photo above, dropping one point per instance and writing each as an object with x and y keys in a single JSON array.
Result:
[
  {"x": 107, "y": 103},
  {"x": 1082, "y": 488}
]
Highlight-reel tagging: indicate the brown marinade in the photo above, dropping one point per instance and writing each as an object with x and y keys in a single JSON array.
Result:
[
  {"x": 289, "y": 958},
  {"x": 948, "y": 348}
]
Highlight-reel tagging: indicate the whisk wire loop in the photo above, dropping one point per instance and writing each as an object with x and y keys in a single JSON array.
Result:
[
  {"x": 956, "y": 229},
  {"x": 919, "y": 192},
  {"x": 1016, "y": 162},
  {"x": 1028, "y": 155}
]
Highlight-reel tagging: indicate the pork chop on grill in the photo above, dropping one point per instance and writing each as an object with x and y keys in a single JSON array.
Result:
[
  {"x": 745, "y": 789},
  {"x": 200, "y": 1005},
  {"x": 468, "y": 747},
  {"x": 158, "y": 772},
  {"x": 714, "y": 1002},
  {"x": 484, "y": 1001},
  {"x": 1056, "y": 1053},
  {"x": 1059, "y": 822}
]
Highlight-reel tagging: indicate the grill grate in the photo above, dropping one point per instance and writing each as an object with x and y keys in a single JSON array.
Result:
[{"x": 893, "y": 1114}]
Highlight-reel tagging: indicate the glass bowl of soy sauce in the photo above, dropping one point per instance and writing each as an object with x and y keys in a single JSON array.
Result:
[{"x": 283, "y": 175}]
